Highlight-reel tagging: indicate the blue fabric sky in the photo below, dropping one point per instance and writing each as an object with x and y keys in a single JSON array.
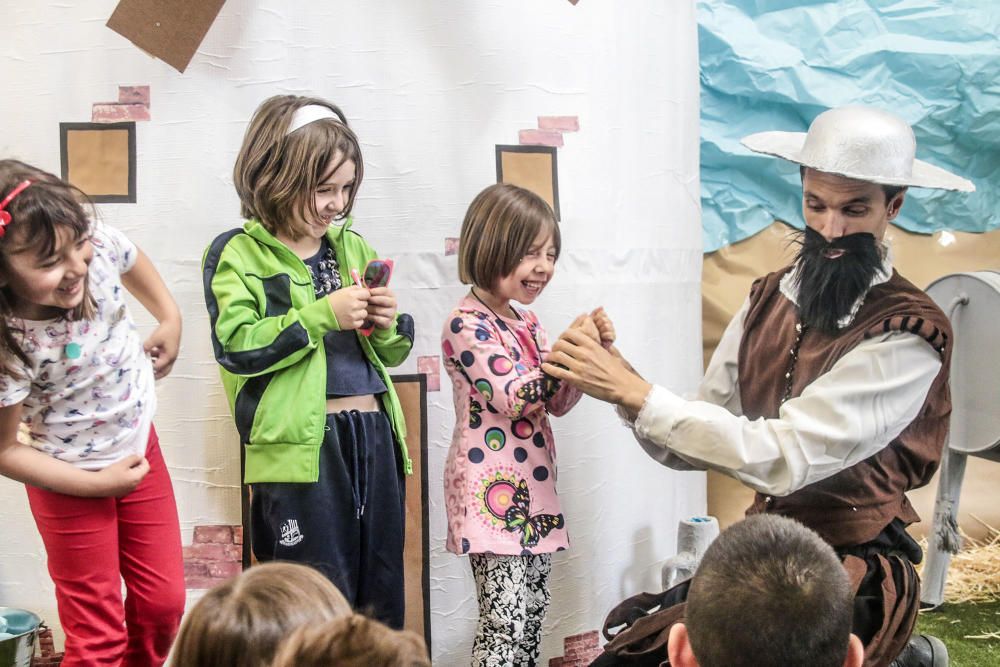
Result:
[{"x": 777, "y": 64}]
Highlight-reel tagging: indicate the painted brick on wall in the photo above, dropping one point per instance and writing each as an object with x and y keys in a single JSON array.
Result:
[
  {"x": 47, "y": 649},
  {"x": 540, "y": 138},
  {"x": 578, "y": 650},
  {"x": 560, "y": 123},
  {"x": 431, "y": 367},
  {"x": 215, "y": 555},
  {"x": 111, "y": 112},
  {"x": 133, "y": 95}
]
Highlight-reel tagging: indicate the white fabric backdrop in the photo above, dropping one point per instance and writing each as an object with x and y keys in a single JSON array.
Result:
[{"x": 430, "y": 88}]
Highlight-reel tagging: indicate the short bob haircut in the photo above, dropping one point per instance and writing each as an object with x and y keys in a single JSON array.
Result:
[
  {"x": 241, "y": 622},
  {"x": 501, "y": 224},
  {"x": 277, "y": 172}
]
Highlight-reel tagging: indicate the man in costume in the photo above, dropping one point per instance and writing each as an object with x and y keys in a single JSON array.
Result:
[{"x": 828, "y": 392}]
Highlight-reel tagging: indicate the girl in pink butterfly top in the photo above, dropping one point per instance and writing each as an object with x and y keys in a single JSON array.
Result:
[{"x": 500, "y": 476}]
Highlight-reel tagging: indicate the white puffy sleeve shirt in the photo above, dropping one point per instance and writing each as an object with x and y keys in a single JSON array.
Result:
[{"x": 845, "y": 416}]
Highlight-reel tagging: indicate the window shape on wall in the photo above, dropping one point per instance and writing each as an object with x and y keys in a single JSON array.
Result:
[
  {"x": 532, "y": 168},
  {"x": 99, "y": 158}
]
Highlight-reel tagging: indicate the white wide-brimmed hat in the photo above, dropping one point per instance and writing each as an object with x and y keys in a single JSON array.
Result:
[{"x": 862, "y": 143}]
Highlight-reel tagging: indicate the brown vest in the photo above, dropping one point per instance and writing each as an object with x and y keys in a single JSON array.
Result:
[{"x": 854, "y": 505}]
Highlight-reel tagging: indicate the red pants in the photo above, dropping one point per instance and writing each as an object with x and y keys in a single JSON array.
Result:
[{"x": 95, "y": 543}]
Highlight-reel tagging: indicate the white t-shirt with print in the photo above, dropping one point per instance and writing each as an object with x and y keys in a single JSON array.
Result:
[{"x": 88, "y": 396}]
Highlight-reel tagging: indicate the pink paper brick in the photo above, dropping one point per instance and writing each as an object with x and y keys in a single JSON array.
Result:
[
  {"x": 214, "y": 552},
  {"x": 540, "y": 138},
  {"x": 133, "y": 95},
  {"x": 431, "y": 367},
  {"x": 238, "y": 535},
  {"x": 225, "y": 570},
  {"x": 204, "y": 551},
  {"x": 450, "y": 246},
  {"x": 561, "y": 123},
  {"x": 557, "y": 662},
  {"x": 195, "y": 568},
  {"x": 112, "y": 112},
  {"x": 200, "y": 582},
  {"x": 585, "y": 638},
  {"x": 217, "y": 534}
]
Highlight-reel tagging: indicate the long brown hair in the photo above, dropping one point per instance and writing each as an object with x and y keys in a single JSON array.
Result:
[
  {"x": 37, "y": 214},
  {"x": 352, "y": 641},
  {"x": 240, "y": 623},
  {"x": 277, "y": 172}
]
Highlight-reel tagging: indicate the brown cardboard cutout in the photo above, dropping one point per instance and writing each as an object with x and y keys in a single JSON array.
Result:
[{"x": 170, "y": 30}]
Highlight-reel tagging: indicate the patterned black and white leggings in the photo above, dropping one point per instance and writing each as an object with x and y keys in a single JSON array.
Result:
[{"x": 513, "y": 594}]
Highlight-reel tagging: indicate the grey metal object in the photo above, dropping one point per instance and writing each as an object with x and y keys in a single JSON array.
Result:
[
  {"x": 18, "y": 629},
  {"x": 693, "y": 537},
  {"x": 972, "y": 303}
]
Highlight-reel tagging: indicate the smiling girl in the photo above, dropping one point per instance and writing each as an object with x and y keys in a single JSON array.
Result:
[
  {"x": 500, "y": 476},
  {"x": 77, "y": 381},
  {"x": 317, "y": 415}
]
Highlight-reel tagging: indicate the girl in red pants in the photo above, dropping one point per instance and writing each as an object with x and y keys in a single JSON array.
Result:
[{"x": 76, "y": 410}]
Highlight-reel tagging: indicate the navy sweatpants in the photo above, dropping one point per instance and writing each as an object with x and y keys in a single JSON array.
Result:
[{"x": 348, "y": 524}]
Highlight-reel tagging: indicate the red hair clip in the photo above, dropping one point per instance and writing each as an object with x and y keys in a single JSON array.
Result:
[{"x": 4, "y": 213}]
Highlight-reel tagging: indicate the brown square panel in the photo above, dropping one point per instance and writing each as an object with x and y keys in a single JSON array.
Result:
[
  {"x": 99, "y": 158},
  {"x": 532, "y": 168}
]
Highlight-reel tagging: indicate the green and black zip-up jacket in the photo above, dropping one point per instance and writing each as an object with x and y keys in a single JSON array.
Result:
[{"x": 267, "y": 333}]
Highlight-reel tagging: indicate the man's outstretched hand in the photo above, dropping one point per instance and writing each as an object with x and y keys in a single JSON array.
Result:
[{"x": 603, "y": 374}]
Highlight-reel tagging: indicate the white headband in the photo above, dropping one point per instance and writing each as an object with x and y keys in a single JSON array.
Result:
[{"x": 308, "y": 114}]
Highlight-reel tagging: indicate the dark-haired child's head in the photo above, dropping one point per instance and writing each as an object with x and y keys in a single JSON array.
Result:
[
  {"x": 45, "y": 252},
  {"x": 768, "y": 591}
]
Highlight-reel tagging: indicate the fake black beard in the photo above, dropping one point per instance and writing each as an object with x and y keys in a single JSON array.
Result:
[{"x": 828, "y": 288}]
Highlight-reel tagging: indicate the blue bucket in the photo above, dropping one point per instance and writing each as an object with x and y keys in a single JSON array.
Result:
[{"x": 18, "y": 630}]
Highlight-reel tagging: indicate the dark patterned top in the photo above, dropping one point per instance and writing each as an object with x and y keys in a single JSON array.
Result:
[
  {"x": 348, "y": 372},
  {"x": 324, "y": 270}
]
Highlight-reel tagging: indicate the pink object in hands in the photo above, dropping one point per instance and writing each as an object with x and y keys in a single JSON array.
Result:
[{"x": 377, "y": 274}]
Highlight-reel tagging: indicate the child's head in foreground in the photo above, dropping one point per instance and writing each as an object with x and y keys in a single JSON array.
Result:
[
  {"x": 352, "y": 641},
  {"x": 241, "y": 622}
]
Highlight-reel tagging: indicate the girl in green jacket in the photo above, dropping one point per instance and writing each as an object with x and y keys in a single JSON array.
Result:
[{"x": 304, "y": 350}]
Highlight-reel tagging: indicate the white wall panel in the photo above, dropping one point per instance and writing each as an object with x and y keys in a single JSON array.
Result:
[{"x": 430, "y": 87}]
